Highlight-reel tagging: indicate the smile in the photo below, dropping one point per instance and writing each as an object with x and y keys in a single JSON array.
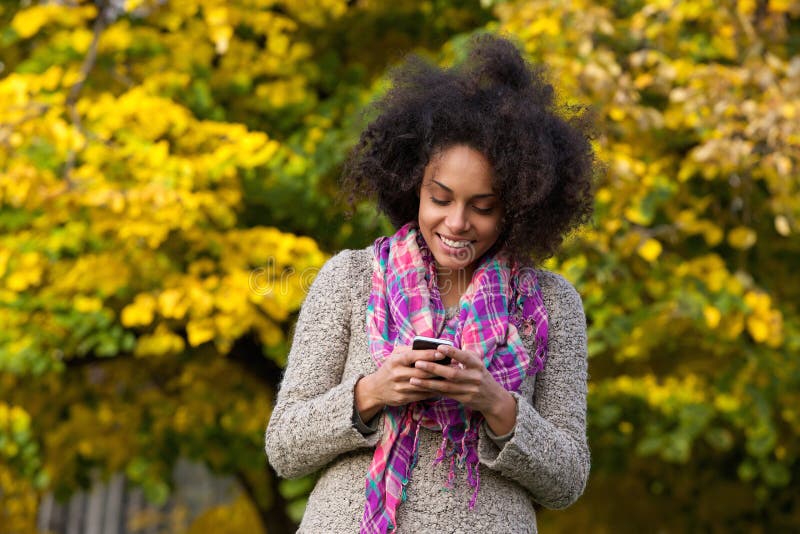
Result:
[{"x": 454, "y": 244}]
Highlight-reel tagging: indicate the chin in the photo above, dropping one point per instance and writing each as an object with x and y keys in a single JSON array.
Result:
[
  {"x": 453, "y": 265},
  {"x": 448, "y": 261}
]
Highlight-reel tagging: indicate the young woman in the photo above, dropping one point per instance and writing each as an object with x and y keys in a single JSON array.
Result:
[{"x": 482, "y": 177}]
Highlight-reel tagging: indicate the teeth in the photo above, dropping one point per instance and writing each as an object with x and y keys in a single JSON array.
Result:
[{"x": 454, "y": 244}]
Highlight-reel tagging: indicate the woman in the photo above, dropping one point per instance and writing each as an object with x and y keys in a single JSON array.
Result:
[{"x": 479, "y": 174}]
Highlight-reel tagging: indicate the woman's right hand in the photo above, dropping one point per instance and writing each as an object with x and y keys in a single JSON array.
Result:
[{"x": 389, "y": 385}]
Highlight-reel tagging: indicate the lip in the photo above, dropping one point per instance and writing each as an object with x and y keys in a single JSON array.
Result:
[
  {"x": 452, "y": 251},
  {"x": 451, "y": 238}
]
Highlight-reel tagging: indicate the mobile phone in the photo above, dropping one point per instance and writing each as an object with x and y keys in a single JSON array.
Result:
[{"x": 422, "y": 343}]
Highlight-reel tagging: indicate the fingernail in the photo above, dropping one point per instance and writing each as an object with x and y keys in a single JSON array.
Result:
[{"x": 438, "y": 355}]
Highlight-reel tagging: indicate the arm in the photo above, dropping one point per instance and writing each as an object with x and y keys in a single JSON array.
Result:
[
  {"x": 312, "y": 421},
  {"x": 548, "y": 453}
]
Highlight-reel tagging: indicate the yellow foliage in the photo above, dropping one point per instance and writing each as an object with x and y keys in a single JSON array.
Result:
[
  {"x": 18, "y": 503},
  {"x": 238, "y": 516},
  {"x": 28, "y": 272},
  {"x": 29, "y": 21},
  {"x": 162, "y": 342},
  {"x": 87, "y": 304},
  {"x": 742, "y": 237},
  {"x": 200, "y": 331},
  {"x": 172, "y": 304},
  {"x": 140, "y": 312},
  {"x": 137, "y": 204},
  {"x": 712, "y": 316},
  {"x": 650, "y": 250},
  {"x": 758, "y": 328}
]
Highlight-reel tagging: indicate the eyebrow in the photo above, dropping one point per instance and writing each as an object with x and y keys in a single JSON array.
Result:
[{"x": 440, "y": 184}]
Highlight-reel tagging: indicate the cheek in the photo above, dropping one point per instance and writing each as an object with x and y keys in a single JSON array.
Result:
[
  {"x": 491, "y": 228},
  {"x": 426, "y": 215}
]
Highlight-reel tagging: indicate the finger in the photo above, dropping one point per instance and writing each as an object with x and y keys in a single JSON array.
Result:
[
  {"x": 445, "y": 371},
  {"x": 427, "y": 355},
  {"x": 465, "y": 357},
  {"x": 400, "y": 350},
  {"x": 416, "y": 396},
  {"x": 402, "y": 380},
  {"x": 438, "y": 386},
  {"x": 405, "y": 372},
  {"x": 417, "y": 372},
  {"x": 401, "y": 356}
]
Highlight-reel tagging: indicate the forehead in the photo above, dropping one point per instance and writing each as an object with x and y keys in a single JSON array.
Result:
[{"x": 461, "y": 169}]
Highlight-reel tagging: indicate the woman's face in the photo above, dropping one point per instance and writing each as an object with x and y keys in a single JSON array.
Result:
[{"x": 459, "y": 212}]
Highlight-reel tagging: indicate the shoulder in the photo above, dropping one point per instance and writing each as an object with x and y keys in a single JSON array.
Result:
[
  {"x": 347, "y": 268},
  {"x": 348, "y": 263},
  {"x": 559, "y": 295}
]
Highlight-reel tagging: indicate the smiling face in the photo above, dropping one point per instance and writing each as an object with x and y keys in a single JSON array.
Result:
[{"x": 459, "y": 212}]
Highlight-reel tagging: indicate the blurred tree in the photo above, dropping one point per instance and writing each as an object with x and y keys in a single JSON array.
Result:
[
  {"x": 688, "y": 274},
  {"x": 163, "y": 168},
  {"x": 160, "y": 167}
]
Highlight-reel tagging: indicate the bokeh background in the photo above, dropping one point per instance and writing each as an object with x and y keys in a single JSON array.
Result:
[{"x": 168, "y": 189}]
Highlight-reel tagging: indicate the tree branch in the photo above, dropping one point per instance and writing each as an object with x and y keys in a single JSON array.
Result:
[{"x": 107, "y": 13}]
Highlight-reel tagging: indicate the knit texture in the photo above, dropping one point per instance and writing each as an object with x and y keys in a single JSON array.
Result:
[{"x": 546, "y": 460}]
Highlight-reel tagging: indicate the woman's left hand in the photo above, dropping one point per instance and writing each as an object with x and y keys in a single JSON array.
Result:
[{"x": 472, "y": 385}]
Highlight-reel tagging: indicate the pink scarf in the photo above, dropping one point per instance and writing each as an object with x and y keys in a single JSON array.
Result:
[{"x": 405, "y": 302}]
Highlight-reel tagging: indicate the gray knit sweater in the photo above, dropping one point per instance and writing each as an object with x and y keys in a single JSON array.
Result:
[{"x": 311, "y": 427}]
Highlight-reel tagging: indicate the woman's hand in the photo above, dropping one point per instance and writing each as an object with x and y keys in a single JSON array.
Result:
[
  {"x": 391, "y": 383},
  {"x": 472, "y": 385}
]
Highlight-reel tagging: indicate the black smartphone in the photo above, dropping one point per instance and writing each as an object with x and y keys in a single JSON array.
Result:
[{"x": 422, "y": 343}]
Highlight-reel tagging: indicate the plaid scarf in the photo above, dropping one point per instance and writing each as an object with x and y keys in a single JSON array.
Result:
[{"x": 405, "y": 302}]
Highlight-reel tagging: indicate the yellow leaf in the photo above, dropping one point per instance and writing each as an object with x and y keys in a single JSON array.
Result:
[
  {"x": 742, "y": 237},
  {"x": 650, "y": 250},
  {"x": 139, "y": 312},
  {"x": 28, "y": 21},
  {"x": 603, "y": 195},
  {"x": 758, "y": 302},
  {"x": 81, "y": 39},
  {"x": 716, "y": 279},
  {"x": 171, "y": 304},
  {"x": 712, "y": 234},
  {"x": 29, "y": 272},
  {"x": 758, "y": 328},
  {"x": 726, "y": 403},
  {"x": 20, "y": 419},
  {"x": 162, "y": 342},
  {"x": 712, "y": 316},
  {"x": 86, "y": 304},
  {"x": 132, "y": 5},
  {"x": 85, "y": 447},
  {"x": 200, "y": 331},
  {"x": 616, "y": 113},
  {"x": 780, "y": 6}
]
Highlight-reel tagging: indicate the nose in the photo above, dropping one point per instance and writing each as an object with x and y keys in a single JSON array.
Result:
[{"x": 457, "y": 220}]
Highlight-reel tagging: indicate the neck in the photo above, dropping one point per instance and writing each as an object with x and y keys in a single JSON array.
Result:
[{"x": 452, "y": 284}]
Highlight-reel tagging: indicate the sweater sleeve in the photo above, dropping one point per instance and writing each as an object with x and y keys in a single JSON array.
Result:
[
  {"x": 312, "y": 421},
  {"x": 548, "y": 453}
]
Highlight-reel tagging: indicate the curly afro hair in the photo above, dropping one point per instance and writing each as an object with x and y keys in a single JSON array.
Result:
[{"x": 499, "y": 105}]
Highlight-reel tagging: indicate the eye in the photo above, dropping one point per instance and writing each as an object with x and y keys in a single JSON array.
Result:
[
  {"x": 483, "y": 211},
  {"x": 439, "y": 202}
]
